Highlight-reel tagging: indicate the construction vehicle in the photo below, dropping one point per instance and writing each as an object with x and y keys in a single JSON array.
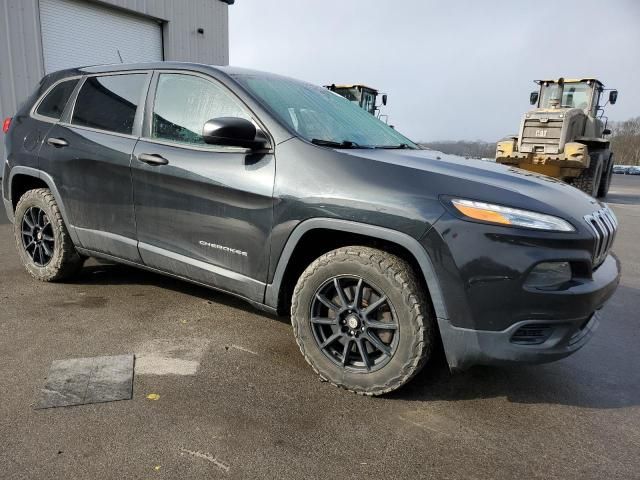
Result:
[
  {"x": 564, "y": 136},
  {"x": 365, "y": 97}
]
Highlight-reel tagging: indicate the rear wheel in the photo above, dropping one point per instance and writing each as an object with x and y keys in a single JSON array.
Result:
[
  {"x": 362, "y": 320},
  {"x": 43, "y": 242},
  {"x": 589, "y": 179}
]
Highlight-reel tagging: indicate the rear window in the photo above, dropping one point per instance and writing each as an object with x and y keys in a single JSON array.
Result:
[
  {"x": 56, "y": 100},
  {"x": 109, "y": 102}
]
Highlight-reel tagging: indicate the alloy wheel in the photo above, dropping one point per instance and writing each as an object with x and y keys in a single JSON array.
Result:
[
  {"x": 37, "y": 236},
  {"x": 354, "y": 324}
]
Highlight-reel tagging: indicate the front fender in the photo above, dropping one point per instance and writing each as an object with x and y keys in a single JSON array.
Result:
[{"x": 409, "y": 243}]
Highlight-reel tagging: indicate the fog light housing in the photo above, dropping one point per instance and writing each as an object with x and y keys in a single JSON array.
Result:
[
  {"x": 532, "y": 334},
  {"x": 549, "y": 275}
]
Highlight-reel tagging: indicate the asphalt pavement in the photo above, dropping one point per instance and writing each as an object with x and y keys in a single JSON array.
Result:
[{"x": 221, "y": 390}]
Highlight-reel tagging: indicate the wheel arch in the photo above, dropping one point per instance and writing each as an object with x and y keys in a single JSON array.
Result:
[
  {"x": 22, "y": 179},
  {"x": 302, "y": 247}
]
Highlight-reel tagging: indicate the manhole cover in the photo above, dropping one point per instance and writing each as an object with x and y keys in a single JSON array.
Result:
[{"x": 79, "y": 381}]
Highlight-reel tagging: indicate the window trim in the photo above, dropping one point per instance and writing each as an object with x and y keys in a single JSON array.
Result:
[
  {"x": 150, "y": 104},
  {"x": 33, "y": 113},
  {"x": 137, "y": 120}
]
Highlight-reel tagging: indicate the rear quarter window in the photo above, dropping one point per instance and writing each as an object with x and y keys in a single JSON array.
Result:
[
  {"x": 56, "y": 100},
  {"x": 109, "y": 102}
]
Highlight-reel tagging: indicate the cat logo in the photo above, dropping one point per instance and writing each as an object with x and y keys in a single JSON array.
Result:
[{"x": 541, "y": 132}]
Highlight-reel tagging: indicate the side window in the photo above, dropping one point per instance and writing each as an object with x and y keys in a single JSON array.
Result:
[
  {"x": 109, "y": 102},
  {"x": 56, "y": 100},
  {"x": 184, "y": 103}
]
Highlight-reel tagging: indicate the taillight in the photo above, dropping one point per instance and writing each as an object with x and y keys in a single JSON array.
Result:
[{"x": 6, "y": 124}]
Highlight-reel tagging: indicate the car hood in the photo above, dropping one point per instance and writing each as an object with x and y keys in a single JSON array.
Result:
[{"x": 487, "y": 181}]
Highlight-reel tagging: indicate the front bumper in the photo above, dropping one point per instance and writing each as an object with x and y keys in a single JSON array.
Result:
[{"x": 465, "y": 347}]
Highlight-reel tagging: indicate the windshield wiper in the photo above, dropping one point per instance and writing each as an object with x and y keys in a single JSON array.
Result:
[
  {"x": 331, "y": 143},
  {"x": 401, "y": 146}
]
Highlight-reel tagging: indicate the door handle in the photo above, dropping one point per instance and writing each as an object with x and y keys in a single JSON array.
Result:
[
  {"x": 152, "y": 159},
  {"x": 57, "y": 142}
]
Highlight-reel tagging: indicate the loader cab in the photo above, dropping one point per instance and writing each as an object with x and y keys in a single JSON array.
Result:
[
  {"x": 583, "y": 94},
  {"x": 363, "y": 96}
]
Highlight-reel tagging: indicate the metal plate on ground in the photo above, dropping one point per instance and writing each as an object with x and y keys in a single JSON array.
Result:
[{"x": 79, "y": 381}]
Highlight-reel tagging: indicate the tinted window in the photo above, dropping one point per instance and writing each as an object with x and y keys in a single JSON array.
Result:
[
  {"x": 184, "y": 103},
  {"x": 109, "y": 103},
  {"x": 54, "y": 103}
]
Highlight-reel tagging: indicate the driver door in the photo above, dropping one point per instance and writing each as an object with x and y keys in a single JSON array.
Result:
[{"x": 203, "y": 212}]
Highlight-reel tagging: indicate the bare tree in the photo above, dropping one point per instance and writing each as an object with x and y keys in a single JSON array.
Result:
[
  {"x": 625, "y": 144},
  {"x": 625, "y": 141}
]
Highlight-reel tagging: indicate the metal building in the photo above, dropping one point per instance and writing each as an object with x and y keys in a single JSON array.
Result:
[{"x": 42, "y": 36}]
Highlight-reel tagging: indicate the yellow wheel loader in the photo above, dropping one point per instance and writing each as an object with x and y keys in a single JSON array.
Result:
[
  {"x": 365, "y": 97},
  {"x": 564, "y": 136}
]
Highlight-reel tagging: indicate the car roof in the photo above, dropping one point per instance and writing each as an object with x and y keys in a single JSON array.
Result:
[
  {"x": 218, "y": 70},
  {"x": 172, "y": 65}
]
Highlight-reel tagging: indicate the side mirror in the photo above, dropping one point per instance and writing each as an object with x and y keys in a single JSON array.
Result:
[
  {"x": 613, "y": 96},
  {"x": 606, "y": 131},
  {"x": 384, "y": 99},
  {"x": 533, "y": 98},
  {"x": 232, "y": 132}
]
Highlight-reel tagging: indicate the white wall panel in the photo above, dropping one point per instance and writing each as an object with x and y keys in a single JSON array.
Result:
[{"x": 22, "y": 59}]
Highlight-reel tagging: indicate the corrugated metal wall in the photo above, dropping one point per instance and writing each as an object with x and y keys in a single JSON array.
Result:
[
  {"x": 21, "y": 60},
  {"x": 181, "y": 40},
  {"x": 108, "y": 35}
]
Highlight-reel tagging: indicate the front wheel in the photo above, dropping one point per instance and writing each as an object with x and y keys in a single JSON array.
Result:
[
  {"x": 43, "y": 242},
  {"x": 605, "y": 183},
  {"x": 362, "y": 321},
  {"x": 589, "y": 180}
]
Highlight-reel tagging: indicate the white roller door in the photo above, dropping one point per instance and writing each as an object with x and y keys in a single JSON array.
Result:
[{"x": 79, "y": 33}]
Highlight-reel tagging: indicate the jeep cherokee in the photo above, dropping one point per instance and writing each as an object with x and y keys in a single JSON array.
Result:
[{"x": 287, "y": 195}]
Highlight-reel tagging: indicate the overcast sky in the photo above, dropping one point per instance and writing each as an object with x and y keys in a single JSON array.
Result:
[{"x": 452, "y": 69}]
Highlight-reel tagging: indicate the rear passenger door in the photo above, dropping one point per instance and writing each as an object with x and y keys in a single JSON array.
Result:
[
  {"x": 203, "y": 212},
  {"x": 88, "y": 154},
  {"x": 44, "y": 115}
]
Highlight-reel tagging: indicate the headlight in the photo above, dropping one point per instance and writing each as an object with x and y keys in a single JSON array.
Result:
[{"x": 490, "y": 213}]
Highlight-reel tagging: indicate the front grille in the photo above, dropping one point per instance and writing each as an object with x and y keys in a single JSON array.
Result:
[
  {"x": 536, "y": 132},
  {"x": 532, "y": 334},
  {"x": 603, "y": 224}
]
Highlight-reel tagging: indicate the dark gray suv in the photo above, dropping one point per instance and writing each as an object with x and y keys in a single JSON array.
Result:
[{"x": 291, "y": 197}]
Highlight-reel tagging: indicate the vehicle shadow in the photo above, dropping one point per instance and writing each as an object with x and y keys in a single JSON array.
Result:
[
  {"x": 103, "y": 273},
  {"x": 603, "y": 375},
  {"x": 589, "y": 381},
  {"x": 525, "y": 384}
]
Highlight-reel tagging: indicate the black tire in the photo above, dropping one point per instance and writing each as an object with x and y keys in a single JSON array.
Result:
[
  {"x": 45, "y": 250},
  {"x": 409, "y": 345},
  {"x": 605, "y": 183},
  {"x": 589, "y": 179}
]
